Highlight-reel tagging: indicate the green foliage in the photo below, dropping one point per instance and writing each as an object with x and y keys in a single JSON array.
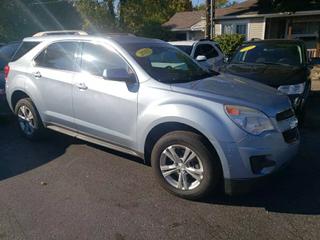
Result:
[
  {"x": 21, "y": 18},
  {"x": 229, "y": 42},
  {"x": 98, "y": 16},
  {"x": 219, "y": 4},
  {"x": 144, "y": 17}
]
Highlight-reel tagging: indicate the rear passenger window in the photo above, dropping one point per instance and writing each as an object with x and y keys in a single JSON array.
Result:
[
  {"x": 96, "y": 58},
  {"x": 206, "y": 50},
  {"x": 60, "y": 56},
  {"x": 23, "y": 49}
]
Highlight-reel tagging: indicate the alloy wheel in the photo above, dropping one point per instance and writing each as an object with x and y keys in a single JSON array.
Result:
[
  {"x": 26, "y": 120},
  {"x": 181, "y": 167}
]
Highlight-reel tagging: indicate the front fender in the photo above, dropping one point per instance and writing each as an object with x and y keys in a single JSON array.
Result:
[{"x": 213, "y": 124}]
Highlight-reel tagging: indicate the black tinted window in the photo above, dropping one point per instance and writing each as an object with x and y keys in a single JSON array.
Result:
[
  {"x": 206, "y": 50},
  {"x": 269, "y": 53},
  {"x": 95, "y": 59},
  {"x": 23, "y": 49},
  {"x": 59, "y": 56},
  {"x": 6, "y": 53}
]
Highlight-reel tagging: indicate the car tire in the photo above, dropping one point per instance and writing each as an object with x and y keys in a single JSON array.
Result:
[
  {"x": 195, "y": 170},
  {"x": 29, "y": 120}
]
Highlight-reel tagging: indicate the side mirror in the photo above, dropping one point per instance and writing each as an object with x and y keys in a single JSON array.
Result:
[
  {"x": 118, "y": 74},
  {"x": 227, "y": 60},
  {"x": 201, "y": 58}
]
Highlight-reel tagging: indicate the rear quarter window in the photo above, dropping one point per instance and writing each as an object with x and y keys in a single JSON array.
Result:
[{"x": 23, "y": 49}]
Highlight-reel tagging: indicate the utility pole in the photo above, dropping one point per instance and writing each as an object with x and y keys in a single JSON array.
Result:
[
  {"x": 213, "y": 12},
  {"x": 208, "y": 19},
  {"x": 210, "y": 16}
]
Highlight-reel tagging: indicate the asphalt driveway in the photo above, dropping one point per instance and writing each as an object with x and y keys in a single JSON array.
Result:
[{"x": 62, "y": 188}]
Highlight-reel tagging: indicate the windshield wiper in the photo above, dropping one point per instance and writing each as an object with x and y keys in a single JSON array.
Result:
[{"x": 274, "y": 63}]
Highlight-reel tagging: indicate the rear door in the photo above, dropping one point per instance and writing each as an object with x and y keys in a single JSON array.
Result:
[{"x": 53, "y": 73}]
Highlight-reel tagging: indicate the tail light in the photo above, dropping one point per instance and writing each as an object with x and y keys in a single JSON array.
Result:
[{"x": 6, "y": 72}]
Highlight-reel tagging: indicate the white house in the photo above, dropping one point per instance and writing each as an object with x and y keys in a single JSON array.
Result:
[{"x": 246, "y": 18}]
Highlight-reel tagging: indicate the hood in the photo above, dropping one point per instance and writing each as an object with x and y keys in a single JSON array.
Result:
[
  {"x": 272, "y": 75},
  {"x": 229, "y": 89}
]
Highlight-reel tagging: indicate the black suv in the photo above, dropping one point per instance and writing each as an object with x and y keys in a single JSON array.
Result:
[
  {"x": 282, "y": 64},
  {"x": 6, "y": 53}
]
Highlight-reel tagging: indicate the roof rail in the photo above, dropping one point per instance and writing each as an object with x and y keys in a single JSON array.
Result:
[
  {"x": 63, "y": 32},
  {"x": 118, "y": 34}
]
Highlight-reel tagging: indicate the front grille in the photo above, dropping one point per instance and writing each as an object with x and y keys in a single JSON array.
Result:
[
  {"x": 285, "y": 120},
  {"x": 291, "y": 135},
  {"x": 284, "y": 115}
]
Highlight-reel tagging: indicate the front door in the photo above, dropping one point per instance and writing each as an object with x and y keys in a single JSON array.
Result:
[{"x": 104, "y": 108}]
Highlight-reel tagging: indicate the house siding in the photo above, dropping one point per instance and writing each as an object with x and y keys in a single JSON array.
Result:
[
  {"x": 256, "y": 28},
  {"x": 218, "y": 29}
]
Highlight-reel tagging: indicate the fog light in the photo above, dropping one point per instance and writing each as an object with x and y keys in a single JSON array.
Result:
[{"x": 258, "y": 163}]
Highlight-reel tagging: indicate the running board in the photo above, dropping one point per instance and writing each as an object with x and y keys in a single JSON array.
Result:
[{"x": 93, "y": 140}]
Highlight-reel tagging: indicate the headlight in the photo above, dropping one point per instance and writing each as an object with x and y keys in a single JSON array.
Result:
[
  {"x": 248, "y": 119},
  {"x": 292, "y": 89}
]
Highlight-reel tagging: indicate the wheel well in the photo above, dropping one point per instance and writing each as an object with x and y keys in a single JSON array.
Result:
[
  {"x": 16, "y": 96},
  {"x": 160, "y": 130}
]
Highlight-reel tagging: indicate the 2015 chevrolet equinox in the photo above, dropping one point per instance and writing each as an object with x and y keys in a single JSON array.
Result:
[{"x": 147, "y": 98}]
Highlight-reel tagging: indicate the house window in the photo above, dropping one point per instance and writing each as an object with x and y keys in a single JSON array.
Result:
[
  {"x": 234, "y": 28},
  {"x": 227, "y": 29},
  {"x": 241, "y": 29}
]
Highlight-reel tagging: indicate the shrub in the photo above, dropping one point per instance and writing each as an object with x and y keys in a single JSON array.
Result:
[{"x": 229, "y": 42}]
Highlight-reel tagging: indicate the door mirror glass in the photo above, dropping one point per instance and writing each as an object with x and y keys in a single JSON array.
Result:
[
  {"x": 227, "y": 59},
  {"x": 201, "y": 58},
  {"x": 118, "y": 74}
]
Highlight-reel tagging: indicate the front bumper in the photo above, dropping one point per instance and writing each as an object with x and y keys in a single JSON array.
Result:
[{"x": 240, "y": 175}]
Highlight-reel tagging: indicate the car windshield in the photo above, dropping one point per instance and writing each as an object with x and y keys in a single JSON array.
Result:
[
  {"x": 269, "y": 53},
  {"x": 165, "y": 63},
  {"x": 184, "y": 48}
]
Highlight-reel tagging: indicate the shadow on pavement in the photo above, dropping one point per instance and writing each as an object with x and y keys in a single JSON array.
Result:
[
  {"x": 296, "y": 190},
  {"x": 19, "y": 155}
]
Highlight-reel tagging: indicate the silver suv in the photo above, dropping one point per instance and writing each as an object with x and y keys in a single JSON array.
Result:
[
  {"x": 207, "y": 53},
  {"x": 149, "y": 99}
]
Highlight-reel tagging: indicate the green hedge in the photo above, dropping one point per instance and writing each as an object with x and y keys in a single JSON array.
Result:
[{"x": 229, "y": 42}]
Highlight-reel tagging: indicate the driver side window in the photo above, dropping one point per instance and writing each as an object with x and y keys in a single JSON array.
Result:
[{"x": 96, "y": 59}]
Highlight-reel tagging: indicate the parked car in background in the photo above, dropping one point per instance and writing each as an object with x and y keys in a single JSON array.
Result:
[
  {"x": 147, "y": 98},
  {"x": 6, "y": 53},
  {"x": 282, "y": 64},
  {"x": 206, "y": 52}
]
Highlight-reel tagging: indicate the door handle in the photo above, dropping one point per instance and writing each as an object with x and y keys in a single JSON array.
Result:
[
  {"x": 82, "y": 86},
  {"x": 37, "y": 74}
]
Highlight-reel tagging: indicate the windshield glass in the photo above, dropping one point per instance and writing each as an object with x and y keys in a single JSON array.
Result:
[
  {"x": 165, "y": 63},
  {"x": 269, "y": 53},
  {"x": 186, "y": 49}
]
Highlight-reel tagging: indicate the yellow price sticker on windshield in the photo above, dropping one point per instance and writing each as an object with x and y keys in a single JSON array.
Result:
[
  {"x": 246, "y": 49},
  {"x": 144, "y": 52}
]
